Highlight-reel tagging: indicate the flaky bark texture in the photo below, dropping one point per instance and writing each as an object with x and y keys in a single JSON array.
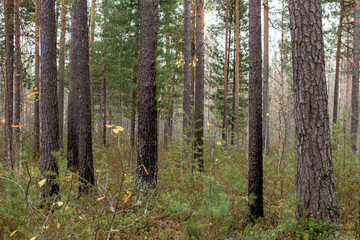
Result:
[
  {"x": 224, "y": 124},
  {"x": 314, "y": 178},
  {"x": 255, "y": 111},
  {"x": 337, "y": 67},
  {"x": 18, "y": 77},
  {"x": 266, "y": 135},
  {"x": 187, "y": 76},
  {"x": 355, "y": 80},
  {"x": 8, "y": 86},
  {"x": 36, "y": 147},
  {"x": 48, "y": 101},
  {"x": 199, "y": 85},
  {"x": 62, "y": 71},
  {"x": 80, "y": 104},
  {"x": 146, "y": 172}
]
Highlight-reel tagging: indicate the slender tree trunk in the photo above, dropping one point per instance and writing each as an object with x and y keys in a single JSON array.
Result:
[
  {"x": 146, "y": 172},
  {"x": 104, "y": 106},
  {"x": 18, "y": 78},
  {"x": 133, "y": 123},
  {"x": 355, "y": 81},
  {"x": 266, "y": 134},
  {"x": 80, "y": 95},
  {"x": 62, "y": 72},
  {"x": 237, "y": 75},
  {"x": 255, "y": 188},
  {"x": 193, "y": 58},
  {"x": 36, "y": 147},
  {"x": 92, "y": 37},
  {"x": 187, "y": 77},
  {"x": 9, "y": 72},
  {"x": 337, "y": 67},
  {"x": 199, "y": 88},
  {"x": 224, "y": 126},
  {"x": 167, "y": 86},
  {"x": 314, "y": 179},
  {"x": 48, "y": 102}
]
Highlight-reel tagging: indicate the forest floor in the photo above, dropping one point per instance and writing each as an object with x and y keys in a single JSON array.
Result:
[{"x": 186, "y": 204}]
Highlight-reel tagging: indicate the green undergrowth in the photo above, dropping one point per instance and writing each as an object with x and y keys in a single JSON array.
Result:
[{"x": 186, "y": 203}]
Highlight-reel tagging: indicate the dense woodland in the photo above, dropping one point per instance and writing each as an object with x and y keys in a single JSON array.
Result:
[{"x": 179, "y": 119}]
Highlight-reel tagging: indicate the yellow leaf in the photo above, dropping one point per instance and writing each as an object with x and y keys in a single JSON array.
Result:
[
  {"x": 80, "y": 218},
  {"x": 13, "y": 233},
  {"x": 68, "y": 177},
  {"x": 218, "y": 143},
  {"x": 59, "y": 204},
  {"x": 42, "y": 182},
  {"x": 58, "y": 225},
  {"x": 33, "y": 238},
  {"x": 99, "y": 199},
  {"x": 15, "y": 126},
  {"x": 116, "y": 130},
  {"x": 32, "y": 93},
  {"x": 2, "y": 119},
  {"x": 109, "y": 126},
  {"x": 120, "y": 128},
  {"x": 127, "y": 198},
  {"x": 208, "y": 125}
]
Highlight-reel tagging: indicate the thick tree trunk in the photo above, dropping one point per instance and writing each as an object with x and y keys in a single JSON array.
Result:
[
  {"x": 255, "y": 188},
  {"x": 8, "y": 86},
  {"x": 314, "y": 179},
  {"x": 187, "y": 77},
  {"x": 199, "y": 88},
  {"x": 80, "y": 96},
  {"x": 266, "y": 135},
  {"x": 18, "y": 79},
  {"x": 355, "y": 79},
  {"x": 193, "y": 58},
  {"x": 62, "y": 72},
  {"x": 224, "y": 126},
  {"x": 36, "y": 147},
  {"x": 146, "y": 172},
  {"x": 48, "y": 102},
  {"x": 337, "y": 67}
]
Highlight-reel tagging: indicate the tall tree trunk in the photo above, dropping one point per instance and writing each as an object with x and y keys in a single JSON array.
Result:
[
  {"x": 187, "y": 77},
  {"x": 167, "y": 85},
  {"x": 355, "y": 79},
  {"x": 104, "y": 106},
  {"x": 255, "y": 188},
  {"x": 146, "y": 172},
  {"x": 36, "y": 147},
  {"x": 314, "y": 179},
  {"x": 92, "y": 37},
  {"x": 266, "y": 135},
  {"x": 9, "y": 75},
  {"x": 62, "y": 72},
  {"x": 48, "y": 102},
  {"x": 337, "y": 67},
  {"x": 133, "y": 123},
  {"x": 193, "y": 53},
  {"x": 224, "y": 126},
  {"x": 80, "y": 96},
  {"x": 18, "y": 78},
  {"x": 199, "y": 88},
  {"x": 237, "y": 74}
]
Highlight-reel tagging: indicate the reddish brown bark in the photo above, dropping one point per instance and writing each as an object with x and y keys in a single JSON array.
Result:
[{"x": 224, "y": 126}]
